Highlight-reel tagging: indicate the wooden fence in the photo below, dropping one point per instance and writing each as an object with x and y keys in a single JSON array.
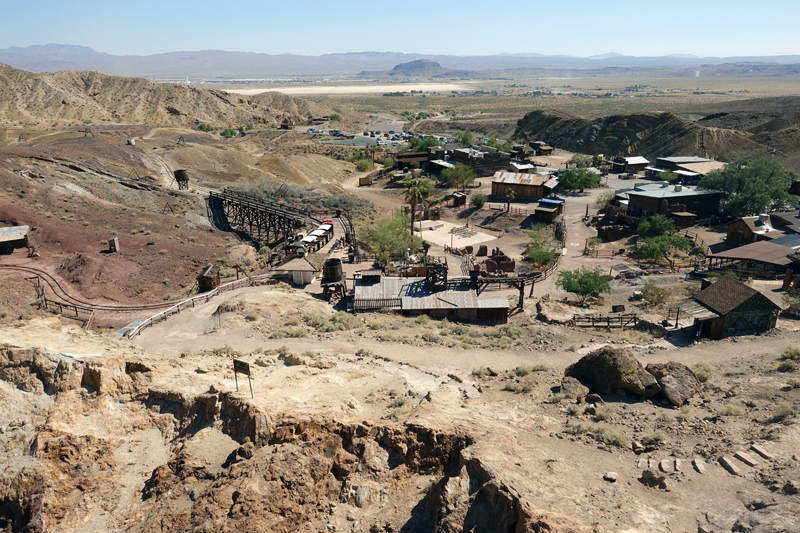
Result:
[
  {"x": 200, "y": 298},
  {"x": 618, "y": 320},
  {"x": 372, "y": 304}
]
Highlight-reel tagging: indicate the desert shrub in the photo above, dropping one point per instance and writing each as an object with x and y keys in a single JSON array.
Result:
[
  {"x": 794, "y": 383},
  {"x": 292, "y": 322},
  {"x": 665, "y": 416},
  {"x": 314, "y": 320},
  {"x": 422, "y": 320},
  {"x": 362, "y": 352},
  {"x": 702, "y": 371},
  {"x": 172, "y": 296},
  {"x": 431, "y": 337},
  {"x": 480, "y": 372},
  {"x": 783, "y": 413},
  {"x": 792, "y": 354},
  {"x": 576, "y": 428},
  {"x": 522, "y": 371},
  {"x": 556, "y": 398},
  {"x": 652, "y": 294},
  {"x": 225, "y": 351},
  {"x": 510, "y": 331},
  {"x": 609, "y": 437},
  {"x": 459, "y": 329},
  {"x": 604, "y": 413},
  {"x": 655, "y": 437},
  {"x": 227, "y": 272},
  {"x": 518, "y": 388},
  {"x": 684, "y": 415},
  {"x": 574, "y": 410},
  {"x": 284, "y": 332},
  {"x": 730, "y": 410},
  {"x": 604, "y": 198},
  {"x": 787, "y": 365},
  {"x": 478, "y": 200},
  {"x": 251, "y": 317}
]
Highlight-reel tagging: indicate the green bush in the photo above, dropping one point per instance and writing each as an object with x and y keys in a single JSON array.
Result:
[
  {"x": 478, "y": 200},
  {"x": 228, "y": 133},
  {"x": 364, "y": 165},
  {"x": 787, "y": 365},
  {"x": 205, "y": 127},
  {"x": 335, "y": 117},
  {"x": 422, "y": 320}
]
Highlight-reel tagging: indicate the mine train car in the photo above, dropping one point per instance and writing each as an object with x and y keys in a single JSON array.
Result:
[{"x": 314, "y": 240}]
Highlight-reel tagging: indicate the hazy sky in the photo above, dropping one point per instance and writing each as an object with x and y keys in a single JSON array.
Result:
[{"x": 465, "y": 27}]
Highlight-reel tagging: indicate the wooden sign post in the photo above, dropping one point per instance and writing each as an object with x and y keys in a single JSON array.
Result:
[{"x": 243, "y": 368}]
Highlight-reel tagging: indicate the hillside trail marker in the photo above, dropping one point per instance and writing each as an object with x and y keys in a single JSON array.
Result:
[{"x": 243, "y": 368}]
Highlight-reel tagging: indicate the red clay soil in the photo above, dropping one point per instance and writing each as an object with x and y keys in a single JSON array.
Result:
[{"x": 160, "y": 254}]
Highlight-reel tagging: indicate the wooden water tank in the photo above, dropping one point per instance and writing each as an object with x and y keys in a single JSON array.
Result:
[{"x": 332, "y": 270}]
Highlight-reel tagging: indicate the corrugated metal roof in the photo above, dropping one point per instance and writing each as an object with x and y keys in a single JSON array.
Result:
[
  {"x": 761, "y": 251},
  {"x": 493, "y": 302},
  {"x": 13, "y": 233},
  {"x": 791, "y": 241},
  {"x": 636, "y": 160},
  {"x": 680, "y": 160},
  {"x": 516, "y": 178},
  {"x": 670, "y": 192}
]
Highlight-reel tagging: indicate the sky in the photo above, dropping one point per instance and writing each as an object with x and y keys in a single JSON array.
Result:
[{"x": 466, "y": 27}]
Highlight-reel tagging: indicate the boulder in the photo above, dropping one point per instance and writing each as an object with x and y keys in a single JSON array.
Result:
[
  {"x": 676, "y": 380},
  {"x": 572, "y": 388},
  {"x": 608, "y": 369}
]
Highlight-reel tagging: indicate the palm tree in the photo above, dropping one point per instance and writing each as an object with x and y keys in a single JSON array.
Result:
[{"x": 416, "y": 192}]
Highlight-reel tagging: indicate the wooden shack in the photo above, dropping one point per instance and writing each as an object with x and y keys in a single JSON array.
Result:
[
  {"x": 208, "y": 279},
  {"x": 13, "y": 237},
  {"x": 728, "y": 306},
  {"x": 287, "y": 124},
  {"x": 526, "y": 186},
  {"x": 549, "y": 209}
]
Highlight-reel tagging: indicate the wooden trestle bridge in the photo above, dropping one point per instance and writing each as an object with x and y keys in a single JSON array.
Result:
[
  {"x": 263, "y": 222},
  {"x": 266, "y": 221}
]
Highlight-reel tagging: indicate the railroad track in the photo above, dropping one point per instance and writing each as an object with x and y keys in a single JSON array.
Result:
[{"x": 66, "y": 298}]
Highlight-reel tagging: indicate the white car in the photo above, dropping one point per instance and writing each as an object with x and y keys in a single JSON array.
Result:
[{"x": 381, "y": 142}]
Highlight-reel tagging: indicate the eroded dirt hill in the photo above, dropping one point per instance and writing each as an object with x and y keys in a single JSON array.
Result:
[
  {"x": 647, "y": 134},
  {"x": 78, "y": 95}
]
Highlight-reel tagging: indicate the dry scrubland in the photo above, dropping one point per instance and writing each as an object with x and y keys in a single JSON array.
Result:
[
  {"x": 508, "y": 102},
  {"x": 366, "y": 423}
]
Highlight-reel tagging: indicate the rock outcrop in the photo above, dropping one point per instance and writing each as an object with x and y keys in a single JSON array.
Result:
[
  {"x": 608, "y": 369},
  {"x": 677, "y": 381}
]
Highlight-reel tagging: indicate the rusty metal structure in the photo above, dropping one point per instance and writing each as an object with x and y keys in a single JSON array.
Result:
[{"x": 182, "y": 177}]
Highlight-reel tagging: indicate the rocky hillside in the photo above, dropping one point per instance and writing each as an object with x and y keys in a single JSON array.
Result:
[
  {"x": 75, "y": 95},
  {"x": 646, "y": 134}
]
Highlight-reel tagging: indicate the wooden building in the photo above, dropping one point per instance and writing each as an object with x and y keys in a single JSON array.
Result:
[
  {"x": 412, "y": 296},
  {"x": 287, "y": 124},
  {"x": 304, "y": 270},
  {"x": 208, "y": 279},
  {"x": 549, "y": 209},
  {"x": 526, "y": 186},
  {"x": 728, "y": 306},
  {"x": 764, "y": 227},
  {"x": 669, "y": 199},
  {"x": 541, "y": 147},
  {"x": 484, "y": 160},
  {"x": 629, "y": 164},
  {"x": 13, "y": 237}
]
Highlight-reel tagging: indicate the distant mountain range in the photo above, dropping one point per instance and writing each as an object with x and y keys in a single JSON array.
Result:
[{"x": 219, "y": 63}]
